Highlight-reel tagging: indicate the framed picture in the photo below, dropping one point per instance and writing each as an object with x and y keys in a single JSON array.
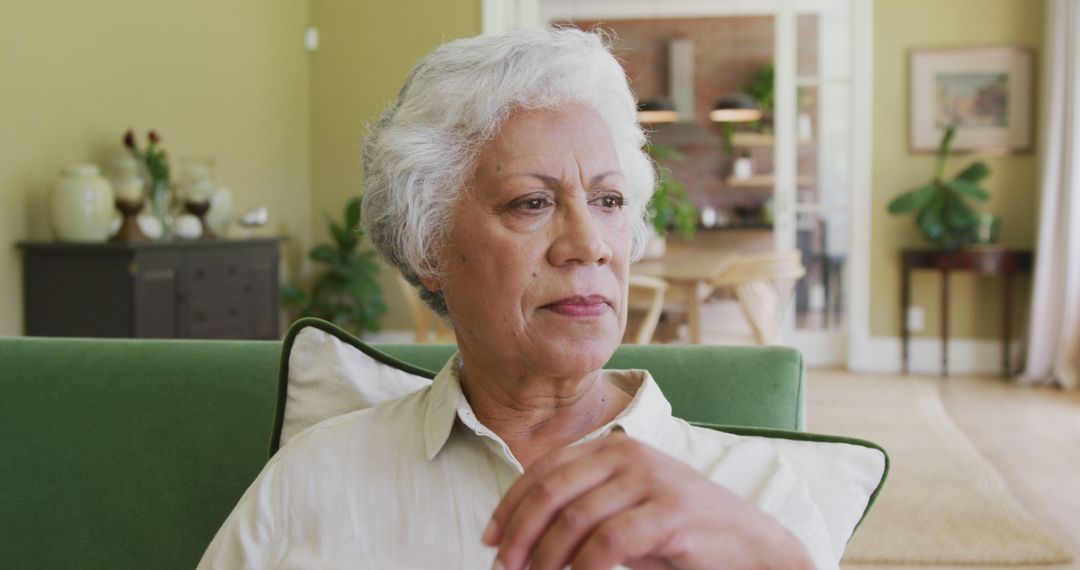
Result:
[{"x": 985, "y": 92}]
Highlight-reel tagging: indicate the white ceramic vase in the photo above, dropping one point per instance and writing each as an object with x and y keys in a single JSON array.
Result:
[
  {"x": 221, "y": 210},
  {"x": 81, "y": 204}
]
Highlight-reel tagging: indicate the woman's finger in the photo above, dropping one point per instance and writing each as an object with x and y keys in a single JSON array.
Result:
[
  {"x": 543, "y": 500},
  {"x": 576, "y": 521},
  {"x": 524, "y": 484},
  {"x": 630, "y": 536}
]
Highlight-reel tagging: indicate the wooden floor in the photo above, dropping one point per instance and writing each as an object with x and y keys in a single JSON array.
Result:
[{"x": 1032, "y": 436}]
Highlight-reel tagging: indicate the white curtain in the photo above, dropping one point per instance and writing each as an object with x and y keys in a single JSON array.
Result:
[{"x": 1053, "y": 353}]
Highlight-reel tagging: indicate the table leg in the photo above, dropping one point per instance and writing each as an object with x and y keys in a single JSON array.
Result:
[
  {"x": 694, "y": 313},
  {"x": 945, "y": 323},
  {"x": 1006, "y": 326},
  {"x": 905, "y": 300}
]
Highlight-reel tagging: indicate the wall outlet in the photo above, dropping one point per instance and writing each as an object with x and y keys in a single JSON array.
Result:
[{"x": 916, "y": 319}]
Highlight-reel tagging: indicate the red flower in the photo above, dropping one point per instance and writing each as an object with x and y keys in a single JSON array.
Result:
[
  {"x": 153, "y": 136},
  {"x": 129, "y": 139}
]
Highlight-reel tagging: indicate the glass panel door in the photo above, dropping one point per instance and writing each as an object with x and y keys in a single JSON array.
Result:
[{"x": 821, "y": 204}]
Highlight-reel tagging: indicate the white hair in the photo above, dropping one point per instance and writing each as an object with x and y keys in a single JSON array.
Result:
[{"x": 422, "y": 151}]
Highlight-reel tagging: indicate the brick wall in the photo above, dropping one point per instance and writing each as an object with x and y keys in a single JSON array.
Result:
[{"x": 727, "y": 50}]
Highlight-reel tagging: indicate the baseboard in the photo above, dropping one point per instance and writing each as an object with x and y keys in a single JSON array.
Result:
[{"x": 966, "y": 356}]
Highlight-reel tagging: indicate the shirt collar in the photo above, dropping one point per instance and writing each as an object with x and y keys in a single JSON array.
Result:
[
  {"x": 643, "y": 418},
  {"x": 442, "y": 405}
]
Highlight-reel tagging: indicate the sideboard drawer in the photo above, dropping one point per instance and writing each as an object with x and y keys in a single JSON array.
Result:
[
  {"x": 226, "y": 316},
  {"x": 224, "y": 272}
]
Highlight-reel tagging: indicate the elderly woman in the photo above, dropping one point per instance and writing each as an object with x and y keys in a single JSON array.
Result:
[{"x": 508, "y": 182}]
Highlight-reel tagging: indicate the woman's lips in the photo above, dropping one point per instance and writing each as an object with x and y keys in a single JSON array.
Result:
[{"x": 580, "y": 306}]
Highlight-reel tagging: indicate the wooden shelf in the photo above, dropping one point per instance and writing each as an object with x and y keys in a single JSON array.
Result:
[
  {"x": 765, "y": 181},
  {"x": 735, "y": 226},
  {"x": 747, "y": 139}
]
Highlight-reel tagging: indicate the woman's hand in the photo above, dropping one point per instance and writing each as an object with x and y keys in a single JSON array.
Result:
[{"x": 618, "y": 501}]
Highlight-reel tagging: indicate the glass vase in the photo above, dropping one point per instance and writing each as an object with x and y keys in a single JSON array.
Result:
[{"x": 159, "y": 197}]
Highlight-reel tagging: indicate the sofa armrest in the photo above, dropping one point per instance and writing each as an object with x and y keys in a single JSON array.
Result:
[{"x": 127, "y": 453}]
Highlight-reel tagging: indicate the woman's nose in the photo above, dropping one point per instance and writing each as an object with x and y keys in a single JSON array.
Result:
[{"x": 579, "y": 237}]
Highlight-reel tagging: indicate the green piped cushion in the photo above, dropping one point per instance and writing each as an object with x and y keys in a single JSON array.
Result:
[{"x": 327, "y": 372}]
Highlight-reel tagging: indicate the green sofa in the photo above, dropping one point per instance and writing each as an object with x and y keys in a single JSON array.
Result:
[{"x": 130, "y": 453}]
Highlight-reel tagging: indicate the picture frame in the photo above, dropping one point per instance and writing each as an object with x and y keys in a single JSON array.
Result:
[{"x": 987, "y": 92}]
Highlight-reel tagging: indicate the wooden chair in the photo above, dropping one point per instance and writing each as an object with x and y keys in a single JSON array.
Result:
[
  {"x": 764, "y": 285},
  {"x": 429, "y": 326},
  {"x": 648, "y": 293}
]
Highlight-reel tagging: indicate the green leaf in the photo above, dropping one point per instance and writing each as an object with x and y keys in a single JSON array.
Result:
[
  {"x": 352, "y": 215},
  {"x": 930, "y": 220},
  {"x": 958, "y": 216},
  {"x": 345, "y": 239},
  {"x": 971, "y": 189},
  {"x": 324, "y": 253},
  {"x": 913, "y": 201},
  {"x": 292, "y": 295},
  {"x": 975, "y": 172},
  {"x": 943, "y": 151}
]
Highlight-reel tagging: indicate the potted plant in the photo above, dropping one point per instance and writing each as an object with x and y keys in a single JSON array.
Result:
[
  {"x": 347, "y": 293},
  {"x": 669, "y": 207},
  {"x": 942, "y": 212}
]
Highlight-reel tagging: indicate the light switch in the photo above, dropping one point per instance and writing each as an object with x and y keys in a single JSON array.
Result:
[{"x": 311, "y": 39}]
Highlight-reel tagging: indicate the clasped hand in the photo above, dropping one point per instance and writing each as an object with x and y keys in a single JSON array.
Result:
[{"x": 616, "y": 501}]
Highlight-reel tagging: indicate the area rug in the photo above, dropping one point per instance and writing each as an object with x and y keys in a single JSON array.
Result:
[{"x": 943, "y": 503}]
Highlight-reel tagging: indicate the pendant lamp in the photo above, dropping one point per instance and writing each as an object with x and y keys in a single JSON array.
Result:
[{"x": 655, "y": 111}]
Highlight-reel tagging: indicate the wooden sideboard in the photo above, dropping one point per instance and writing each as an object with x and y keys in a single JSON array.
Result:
[{"x": 195, "y": 289}]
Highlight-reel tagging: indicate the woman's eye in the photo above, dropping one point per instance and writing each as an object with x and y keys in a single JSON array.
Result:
[
  {"x": 612, "y": 202},
  {"x": 538, "y": 203}
]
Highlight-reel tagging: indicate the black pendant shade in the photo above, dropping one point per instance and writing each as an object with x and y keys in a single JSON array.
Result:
[{"x": 656, "y": 111}]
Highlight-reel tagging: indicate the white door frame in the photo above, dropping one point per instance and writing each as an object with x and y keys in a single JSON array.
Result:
[
  {"x": 501, "y": 15},
  {"x": 858, "y": 277}
]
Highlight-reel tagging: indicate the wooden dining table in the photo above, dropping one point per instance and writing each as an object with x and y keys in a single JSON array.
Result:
[{"x": 690, "y": 272}]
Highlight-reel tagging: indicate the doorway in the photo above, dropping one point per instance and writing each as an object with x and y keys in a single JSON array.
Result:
[{"x": 809, "y": 156}]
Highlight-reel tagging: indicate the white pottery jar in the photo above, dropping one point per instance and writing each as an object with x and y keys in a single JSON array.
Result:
[
  {"x": 221, "y": 210},
  {"x": 81, "y": 204}
]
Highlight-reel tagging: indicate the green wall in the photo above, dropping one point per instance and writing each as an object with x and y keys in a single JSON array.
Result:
[
  {"x": 367, "y": 50},
  {"x": 899, "y": 26},
  {"x": 227, "y": 80}
]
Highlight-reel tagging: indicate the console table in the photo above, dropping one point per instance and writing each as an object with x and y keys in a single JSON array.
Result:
[
  {"x": 179, "y": 289},
  {"x": 986, "y": 261}
]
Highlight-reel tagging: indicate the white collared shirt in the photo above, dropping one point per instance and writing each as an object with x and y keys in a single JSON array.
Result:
[{"x": 412, "y": 483}]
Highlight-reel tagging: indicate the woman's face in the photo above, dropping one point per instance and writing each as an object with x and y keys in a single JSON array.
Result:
[{"x": 535, "y": 272}]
